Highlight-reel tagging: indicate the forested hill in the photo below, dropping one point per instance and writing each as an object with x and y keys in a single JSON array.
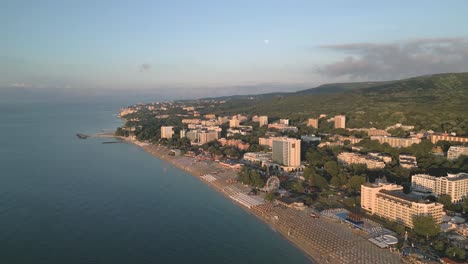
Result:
[{"x": 438, "y": 102}]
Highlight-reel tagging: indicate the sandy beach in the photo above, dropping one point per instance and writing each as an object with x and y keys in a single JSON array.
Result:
[{"x": 323, "y": 240}]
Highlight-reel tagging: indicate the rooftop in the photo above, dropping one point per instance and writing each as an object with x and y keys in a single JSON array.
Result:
[{"x": 408, "y": 197}]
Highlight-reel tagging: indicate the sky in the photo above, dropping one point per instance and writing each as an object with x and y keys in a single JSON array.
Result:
[{"x": 204, "y": 48}]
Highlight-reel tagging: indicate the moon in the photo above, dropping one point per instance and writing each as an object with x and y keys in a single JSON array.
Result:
[{"x": 266, "y": 41}]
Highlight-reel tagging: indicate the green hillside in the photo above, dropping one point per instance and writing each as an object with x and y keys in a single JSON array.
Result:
[{"x": 437, "y": 102}]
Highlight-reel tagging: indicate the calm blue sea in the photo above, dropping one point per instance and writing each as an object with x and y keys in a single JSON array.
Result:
[{"x": 65, "y": 200}]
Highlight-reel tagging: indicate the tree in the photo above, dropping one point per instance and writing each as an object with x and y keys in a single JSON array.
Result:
[
  {"x": 332, "y": 168},
  {"x": 314, "y": 179},
  {"x": 446, "y": 200},
  {"x": 297, "y": 187},
  {"x": 425, "y": 225},
  {"x": 455, "y": 252},
  {"x": 354, "y": 184},
  {"x": 465, "y": 205},
  {"x": 270, "y": 196}
]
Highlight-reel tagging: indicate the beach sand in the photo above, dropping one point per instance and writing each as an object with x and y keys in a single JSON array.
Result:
[{"x": 322, "y": 240}]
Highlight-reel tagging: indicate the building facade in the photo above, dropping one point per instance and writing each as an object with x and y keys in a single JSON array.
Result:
[
  {"x": 397, "y": 142},
  {"x": 340, "y": 121},
  {"x": 312, "y": 122},
  {"x": 287, "y": 151},
  {"x": 349, "y": 158},
  {"x": 167, "y": 132},
  {"x": 455, "y": 152},
  {"x": 263, "y": 120},
  {"x": 234, "y": 123},
  {"x": 388, "y": 201},
  {"x": 445, "y": 137},
  {"x": 455, "y": 185}
]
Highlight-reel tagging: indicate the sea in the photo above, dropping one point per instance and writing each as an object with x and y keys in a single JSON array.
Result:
[{"x": 69, "y": 200}]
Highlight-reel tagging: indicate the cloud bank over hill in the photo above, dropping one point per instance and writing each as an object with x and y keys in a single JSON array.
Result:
[{"x": 396, "y": 60}]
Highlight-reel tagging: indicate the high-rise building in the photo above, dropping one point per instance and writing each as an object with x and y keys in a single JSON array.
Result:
[
  {"x": 455, "y": 185},
  {"x": 370, "y": 190},
  {"x": 455, "y": 152},
  {"x": 389, "y": 201},
  {"x": 234, "y": 123},
  {"x": 207, "y": 136},
  {"x": 340, "y": 121},
  {"x": 167, "y": 132},
  {"x": 312, "y": 122},
  {"x": 183, "y": 133},
  {"x": 263, "y": 120},
  {"x": 287, "y": 151}
]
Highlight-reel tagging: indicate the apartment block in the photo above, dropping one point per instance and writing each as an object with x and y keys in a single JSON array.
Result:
[
  {"x": 445, "y": 137},
  {"x": 312, "y": 122},
  {"x": 263, "y": 120},
  {"x": 340, "y": 121},
  {"x": 397, "y": 142},
  {"x": 349, "y": 158},
  {"x": 167, "y": 132}
]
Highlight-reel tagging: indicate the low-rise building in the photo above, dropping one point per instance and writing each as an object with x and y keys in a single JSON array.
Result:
[
  {"x": 283, "y": 127},
  {"x": 397, "y": 142},
  {"x": 446, "y": 137},
  {"x": 408, "y": 161},
  {"x": 265, "y": 142},
  {"x": 349, "y": 158},
  {"x": 381, "y": 156},
  {"x": 191, "y": 121},
  {"x": 237, "y": 143},
  {"x": 284, "y": 121},
  {"x": 259, "y": 158},
  {"x": 311, "y": 138},
  {"x": 455, "y": 152}
]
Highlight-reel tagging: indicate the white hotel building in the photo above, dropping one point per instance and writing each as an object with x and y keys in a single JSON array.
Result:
[{"x": 455, "y": 185}]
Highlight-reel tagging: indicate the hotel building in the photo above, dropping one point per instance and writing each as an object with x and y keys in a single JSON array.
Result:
[
  {"x": 287, "y": 151},
  {"x": 455, "y": 185},
  {"x": 388, "y": 201},
  {"x": 167, "y": 132}
]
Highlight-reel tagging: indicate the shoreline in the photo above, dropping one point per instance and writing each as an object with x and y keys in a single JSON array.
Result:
[
  {"x": 313, "y": 237},
  {"x": 157, "y": 151}
]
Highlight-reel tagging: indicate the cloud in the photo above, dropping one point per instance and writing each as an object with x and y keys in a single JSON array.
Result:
[
  {"x": 396, "y": 60},
  {"x": 145, "y": 67}
]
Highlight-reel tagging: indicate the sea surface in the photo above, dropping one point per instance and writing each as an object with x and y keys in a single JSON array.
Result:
[{"x": 66, "y": 200}]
